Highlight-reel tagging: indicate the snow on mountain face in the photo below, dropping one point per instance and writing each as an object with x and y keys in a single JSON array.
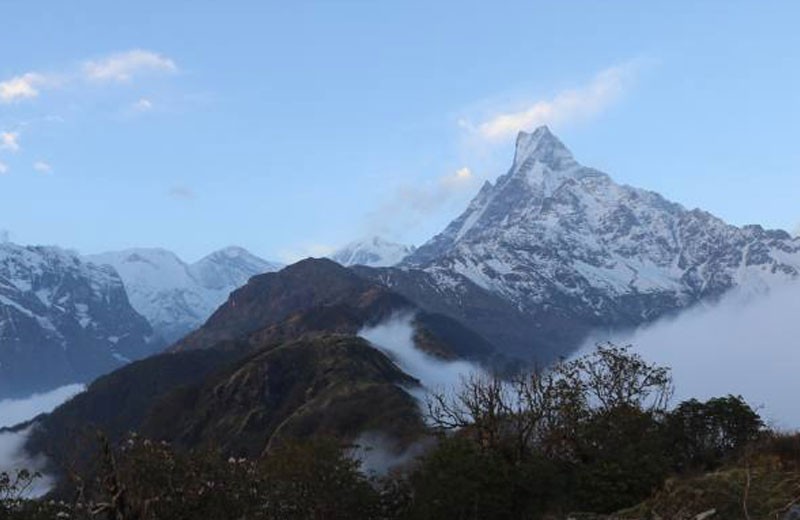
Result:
[
  {"x": 373, "y": 252},
  {"x": 553, "y": 234},
  {"x": 62, "y": 320},
  {"x": 230, "y": 268},
  {"x": 177, "y": 297}
]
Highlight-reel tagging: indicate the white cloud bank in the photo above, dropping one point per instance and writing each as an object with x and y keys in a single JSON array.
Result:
[
  {"x": 395, "y": 337},
  {"x": 15, "y": 411},
  {"x": 376, "y": 452},
  {"x": 740, "y": 347},
  {"x": 14, "y": 458},
  {"x": 567, "y": 106}
]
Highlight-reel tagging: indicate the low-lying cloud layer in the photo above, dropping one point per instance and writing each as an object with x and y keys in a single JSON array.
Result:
[
  {"x": 14, "y": 411},
  {"x": 395, "y": 337},
  {"x": 740, "y": 346},
  {"x": 377, "y": 452},
  {"x": 13, "y": 458}
]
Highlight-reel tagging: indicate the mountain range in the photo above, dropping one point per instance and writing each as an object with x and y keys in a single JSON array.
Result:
[
  {"x": 62, "y": 320},
  {"x": 372, "y": 252},
  {"x": 541, "y": 258},
  {"x": 176, "y": 297},
  {"x": 68, "y": 318},
  {"x": 281, "y": 359}
]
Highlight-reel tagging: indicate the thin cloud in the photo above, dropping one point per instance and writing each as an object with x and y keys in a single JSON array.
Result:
[
  {"x": 42, "y": 167},
  {"x": 409, "y": 204},
  {"x": 564, "y": 107},
  {"x": 116, "y": 68},
  {"x": 124, "y": 66},
  {"x": 9, "y": 141},
  {"x": 301, "y": 251},
  {"x": 143, "y": 105},
  {"x": 3, "y": 168},
  {"x": 181, "y": 192},
  {"x": 424, "y": 199}
]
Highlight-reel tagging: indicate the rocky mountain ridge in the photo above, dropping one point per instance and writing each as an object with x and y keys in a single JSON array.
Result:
[
  {"x": 62, "y": 320},
  {"x": 569, "y": 250},
  {"x": 372, "y": 252},
  {"x": 177, "y": 297}
]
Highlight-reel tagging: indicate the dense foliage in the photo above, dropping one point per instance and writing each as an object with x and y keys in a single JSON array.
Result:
[{"x": 591, "y": 434}]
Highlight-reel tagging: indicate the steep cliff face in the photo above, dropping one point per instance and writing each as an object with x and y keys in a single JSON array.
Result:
[
  {"x": 62, "y": 320},
  {"x": 562, "y": 249}
]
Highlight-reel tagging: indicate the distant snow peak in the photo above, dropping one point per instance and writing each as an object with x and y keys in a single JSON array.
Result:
[
  {"x": 177, "y": 297},
  {"x": 373, "y": 252},
  {"x": 232, "y": 252}
]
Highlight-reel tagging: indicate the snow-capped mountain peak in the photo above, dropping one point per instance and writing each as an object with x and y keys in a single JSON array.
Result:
[
  {"x": 373, "y": 252},
  {"x": 553, "y": 235},
  {"x": 62, "y": 319},
  {"x": 177, "y": 297},
  {"x": 229, "y": 268},
  {"x": 542, "y": 146}
]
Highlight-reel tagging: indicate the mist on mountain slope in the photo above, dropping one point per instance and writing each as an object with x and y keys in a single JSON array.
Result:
[
  {"x": 746, "y": 345},
  {"x": 14, "y": 411},
  {"x": 13, "y": 458},
  {"x": 395, "y": 337},
  {"x": 376, "y": 452}
]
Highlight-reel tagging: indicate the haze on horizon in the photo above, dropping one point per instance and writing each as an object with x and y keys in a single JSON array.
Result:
[{"x": 293, "y": 129}]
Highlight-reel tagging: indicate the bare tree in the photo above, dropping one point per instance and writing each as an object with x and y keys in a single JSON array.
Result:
[{"x": 545, "y": 408}]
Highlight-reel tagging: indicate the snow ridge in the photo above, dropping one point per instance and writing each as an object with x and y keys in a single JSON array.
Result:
[
  {"x": 373, "y": 252},
  {"x": 554, "y": 233},
  {"x": 62, "y": 319},
  {"x": 177, "y": 297}
]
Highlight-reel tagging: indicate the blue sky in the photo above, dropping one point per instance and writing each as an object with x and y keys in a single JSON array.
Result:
[{"x": 293, "y": 127}]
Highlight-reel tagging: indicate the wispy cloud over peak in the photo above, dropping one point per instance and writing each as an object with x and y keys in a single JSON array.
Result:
[
  {"x": 408, "y": 204},
  {"x": 298, "y": 252},
  {"x": 124, "y": 66},
  {"x": 567, "y": 106},
  {"x": 457, "y": 179}
]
